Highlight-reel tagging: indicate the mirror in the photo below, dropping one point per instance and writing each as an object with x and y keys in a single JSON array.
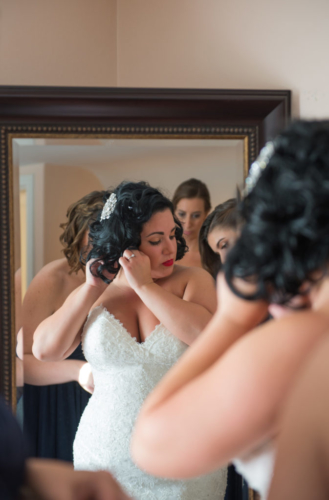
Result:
[
  {"x": 52, "y": 137},
  {"x": 55, "y": 173}
]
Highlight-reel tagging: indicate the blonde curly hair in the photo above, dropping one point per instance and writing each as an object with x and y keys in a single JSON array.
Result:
[{"x": 80, "y": 215}]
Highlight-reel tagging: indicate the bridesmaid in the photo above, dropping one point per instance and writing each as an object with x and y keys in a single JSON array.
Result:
[
  {"x": 191, "y": 202},
  {"x": 55, "y": 393},
  {"x": 218, "y": 234}
]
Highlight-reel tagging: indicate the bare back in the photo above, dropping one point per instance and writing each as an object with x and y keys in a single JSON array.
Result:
[{"x": 48, "y": 291}]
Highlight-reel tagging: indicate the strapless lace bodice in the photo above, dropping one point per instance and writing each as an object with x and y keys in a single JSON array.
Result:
[
  {"x": 110, "y": 345},
  {"x": 125, "y": 372}
]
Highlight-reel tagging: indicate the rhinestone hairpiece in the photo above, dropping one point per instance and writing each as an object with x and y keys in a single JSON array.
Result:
[
  {"x": 258, "y": 166},
  {"x": 109, "y": 207}
]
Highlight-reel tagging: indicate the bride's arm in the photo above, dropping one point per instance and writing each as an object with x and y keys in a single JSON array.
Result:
[
  {"x": 229, "y": 408},
  {"x": 184, "y": 317},
  {"x": 233, "y": 319}
]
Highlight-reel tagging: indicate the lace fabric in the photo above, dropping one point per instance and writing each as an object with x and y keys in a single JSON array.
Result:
[{"x": 125, "y": 372}]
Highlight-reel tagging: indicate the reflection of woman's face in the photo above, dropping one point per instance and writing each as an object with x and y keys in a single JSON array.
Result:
[
  {"x": 191, "y": 213},
  {"x": 221, "y": 239},
  {"x": 159, "y": 243}
]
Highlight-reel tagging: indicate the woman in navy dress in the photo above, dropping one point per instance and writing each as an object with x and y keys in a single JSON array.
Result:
[{"x": 56, "y": 393}]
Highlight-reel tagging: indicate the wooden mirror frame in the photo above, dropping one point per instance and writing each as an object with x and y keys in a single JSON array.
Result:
[{"x": 252, "y": 115}]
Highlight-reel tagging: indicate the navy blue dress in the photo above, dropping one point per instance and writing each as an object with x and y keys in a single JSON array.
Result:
[
  {"x": 51, "y": 416},
  {"x": 12, "y": 454},
  {"x": 237, "y": 488}
]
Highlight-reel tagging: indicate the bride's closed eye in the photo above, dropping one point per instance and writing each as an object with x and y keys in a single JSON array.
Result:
[{"x": 159, "y": 241}]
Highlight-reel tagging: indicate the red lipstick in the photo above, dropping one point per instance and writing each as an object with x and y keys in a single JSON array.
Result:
[{"x": 168, "y": 263}]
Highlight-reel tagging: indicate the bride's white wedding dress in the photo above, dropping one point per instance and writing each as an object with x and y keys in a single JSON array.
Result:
[
  {"x": 125, "y": 372},
  {"x": 257, "y": 468}
]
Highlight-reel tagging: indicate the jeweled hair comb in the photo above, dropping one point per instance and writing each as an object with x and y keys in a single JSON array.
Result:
[{"x": 109, "y": 206}]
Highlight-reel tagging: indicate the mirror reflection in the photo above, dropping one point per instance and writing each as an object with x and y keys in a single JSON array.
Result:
[{"x": 60, "y": 187}]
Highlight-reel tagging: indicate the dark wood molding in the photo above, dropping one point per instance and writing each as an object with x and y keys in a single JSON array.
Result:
[{"x": 59, "y": 105}]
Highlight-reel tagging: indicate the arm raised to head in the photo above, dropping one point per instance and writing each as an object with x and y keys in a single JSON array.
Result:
[
  {"x": 57, "y": 336},
  {"x": 223, "y": 397}
]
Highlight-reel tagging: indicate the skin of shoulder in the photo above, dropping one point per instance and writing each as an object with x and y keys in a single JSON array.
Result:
[
  {"x": 191, "y": 259},
  {"x": 55, "y": 275},
  {"x": 186, "y": 274},
  {"x": 49, "y": 281},
  {"x": 192, "y": 284}
]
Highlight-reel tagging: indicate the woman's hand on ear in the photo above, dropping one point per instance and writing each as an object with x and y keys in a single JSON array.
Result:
[{"x": 137, "y": 268}]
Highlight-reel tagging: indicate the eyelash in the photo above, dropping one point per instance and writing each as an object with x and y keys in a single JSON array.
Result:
[
  {"x": 154, "y": 243},
  {"x": 181, "y": 216}
]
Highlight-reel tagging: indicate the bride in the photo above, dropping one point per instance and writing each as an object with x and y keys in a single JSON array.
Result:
[{"x": 137, "y": 328}]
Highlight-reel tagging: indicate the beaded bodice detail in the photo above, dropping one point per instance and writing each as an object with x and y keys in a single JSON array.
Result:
[
  {"x": 125, "y": 372},
  {"x": 110, "y": 344}
]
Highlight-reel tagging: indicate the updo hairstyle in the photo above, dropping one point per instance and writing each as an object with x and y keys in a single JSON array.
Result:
[
  {"x": 224, "y": 215},
  {"x": 79, "y": 215},
  {"x": 285, "y": 239},
  {"x": 192, "y": 188},
  {"x": 135, "y": 205}
]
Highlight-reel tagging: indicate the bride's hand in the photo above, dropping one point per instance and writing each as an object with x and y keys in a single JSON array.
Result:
[
  {"x": 137, "y": 268},
  {"x": 86, "y": 379}
]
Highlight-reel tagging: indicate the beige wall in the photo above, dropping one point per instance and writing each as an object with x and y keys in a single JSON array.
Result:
[
  {"x": 220, "y": 167},
  {"x": 264, "y": 44},
  {"x": 58, "y": 42},
  {"x": 63, "y": 186},
  {"x": 279, "y": 44}
]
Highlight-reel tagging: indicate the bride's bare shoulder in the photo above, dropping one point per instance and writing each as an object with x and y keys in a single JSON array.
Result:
[
  {"x": 189, "y": 277},
  {"x": 191, "y": 273}
]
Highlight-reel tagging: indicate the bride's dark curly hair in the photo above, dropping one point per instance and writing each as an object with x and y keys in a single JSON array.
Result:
[
  {"x": 285, "y": 238},
  {"x": 136, "y": 203}
]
